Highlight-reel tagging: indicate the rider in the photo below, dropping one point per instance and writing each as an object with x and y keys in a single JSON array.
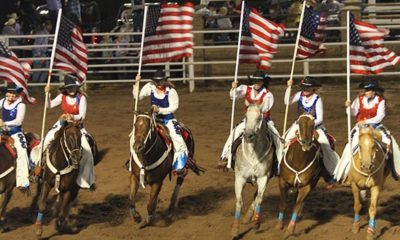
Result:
[
  {"x": 73, "y": 105},
  {"x": 308, "y": 101},
  {"x": 165, "y": 101},
  {"x": 369, "y": 108},
  {"x": 259, "y": 94},
  {"x": 13, "y": 116}
]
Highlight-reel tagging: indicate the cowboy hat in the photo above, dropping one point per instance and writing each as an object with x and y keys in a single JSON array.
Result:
[
  {"x": 371, "y": 84},
  {"x": 260, "y": 76},
  {"x": 159, "y": 76},
  {"x": 70, "y": 81},
  {"x": 13, "y": 88},
  {"x": 310, "y": 82}
]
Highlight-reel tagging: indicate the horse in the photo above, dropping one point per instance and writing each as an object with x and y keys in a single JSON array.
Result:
[
  {"x": 62, "y": 160},
  {"x": 300, "y": 169},
  {"x": 254, "y": 161},
  {"x": 368, "y": 170},
  {"x": 151, "y": 161}
]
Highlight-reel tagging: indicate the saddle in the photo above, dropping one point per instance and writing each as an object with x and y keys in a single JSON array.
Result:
[{"x": 8, "y": 143}]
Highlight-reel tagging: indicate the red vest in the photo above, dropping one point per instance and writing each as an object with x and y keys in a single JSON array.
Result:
[
  {"x": 71, "y": 109},
  {"x": 259, "y": 101},
  {"x": 365, "y": 113}
]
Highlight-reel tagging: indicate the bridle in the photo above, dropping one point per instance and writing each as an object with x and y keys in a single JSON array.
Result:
[
  {"x": 150, "y": 131},
  {"x": 68, "y": 153},
  {"x": 258, "y": 127}
]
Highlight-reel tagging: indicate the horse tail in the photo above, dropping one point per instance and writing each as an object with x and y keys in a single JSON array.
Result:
[{"x": 192, "y": 165}]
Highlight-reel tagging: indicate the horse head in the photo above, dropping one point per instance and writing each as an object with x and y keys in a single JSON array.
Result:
[
  {"x": 144, "y": 126},
  {"x": 368, "y": 149},
  {"x": 71, "y": 141},
  {"x": 253, "y": 122},
  {"x": 306, "y": 133}
]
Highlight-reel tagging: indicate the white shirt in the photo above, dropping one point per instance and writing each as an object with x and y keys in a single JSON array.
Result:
[
  {"x": 380, "y": 114},
  {"x": 173, "y": 98},
  {"x": 71, "y": 101},
  {"x": 268, "y": 100},
  {"x": 21, "y": 109},
  {"x": 308, "y": 102}
]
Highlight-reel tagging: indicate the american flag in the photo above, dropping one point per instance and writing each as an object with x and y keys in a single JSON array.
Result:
[
  {"x": 168, "y": 33},
  {"x": 259, "y": 40},
  {"x": 12, "y": 71},
  {"x": 312, "y": 34},
  {"x": 367, "y": 55},
  {"x": 71, "y": 52}
]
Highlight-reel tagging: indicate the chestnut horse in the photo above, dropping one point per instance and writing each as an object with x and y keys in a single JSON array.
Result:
[
  {"x": 61, "y": 171},
  {"x": 151, "y": 161},
  {"x": 300, "y": 169},
  {"x": 368, "y": 171}
]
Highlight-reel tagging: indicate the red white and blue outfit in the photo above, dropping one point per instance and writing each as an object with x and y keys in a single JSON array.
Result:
[
  {"x": 312, "y": 105},
  {"x": 167, "y": 101},
  {"x": 13, "y": 116},
  {"x": 262, "y": 97}
]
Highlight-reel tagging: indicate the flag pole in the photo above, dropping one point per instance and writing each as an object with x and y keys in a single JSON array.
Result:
[
  {"x": 53, "y": 50},
  {"x": 293, "y": 65},
  {"x": 348, "y": 109},
  {"x": 136, "y": 85},
  {"x": 235, "y": 80}
]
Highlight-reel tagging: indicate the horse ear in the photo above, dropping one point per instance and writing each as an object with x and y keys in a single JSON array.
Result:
[
  {"x": 151, "y": 111},
  {"x": 378, "y": 135},
  {"x": 316, "y": 135}
]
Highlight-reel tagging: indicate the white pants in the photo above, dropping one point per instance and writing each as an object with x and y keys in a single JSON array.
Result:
[
  {"x": 330, "y": 157},
  {"x": 343, "y": 167},
  {"x": 22, "y": 171},
  {"x": 239, "y": 129},
  {"x": 180, "y": 147},
  {"x": 86, "y": 176}
]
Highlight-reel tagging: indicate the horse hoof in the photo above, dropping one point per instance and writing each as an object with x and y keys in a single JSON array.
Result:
[
  {"x": 137, "y": 218},
  {"x": 257, "y": 226},
  {"x": 279, "y": 225},
  {"x": 235, "y": 229},
  {"x": 370, "y": 234},
  {"x": 290, "y": 229},
  {"x": 356, "y": 227},
  {"x": 38, "y": 229},
  {"x": 144, "y": 225}
]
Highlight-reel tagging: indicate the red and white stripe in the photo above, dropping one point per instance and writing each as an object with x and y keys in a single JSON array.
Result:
[
  {"x": 261, "y": 47},
  {"x": 307, "y": 47},
  {"x": 75, "y": 61},
  {"x": 11, "y": 70},
  {"x": 371, "y": 57},
  {"x": 173, "y": 38}
]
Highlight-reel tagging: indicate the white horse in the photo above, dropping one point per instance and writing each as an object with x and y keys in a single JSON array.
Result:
[{"x": 254, "y": 160}]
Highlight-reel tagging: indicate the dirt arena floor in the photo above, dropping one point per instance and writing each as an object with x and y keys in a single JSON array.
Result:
[{"x": 206, "y": 204}]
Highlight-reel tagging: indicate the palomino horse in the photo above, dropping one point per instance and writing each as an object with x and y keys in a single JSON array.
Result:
[
  {"x": 151, "y": 161},
  {"x": 253, "y": 161},
  {"x": 61, "y": 171},
  {"x": 368, "y": 171},
  {"x": 300, "y": 168}
]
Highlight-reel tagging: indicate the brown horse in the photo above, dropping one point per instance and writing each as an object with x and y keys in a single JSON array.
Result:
[
  {"x": 61, "y": 171},
  {"x": 151, "y": 161},
  {"x": 368, "y": 171},
  {"x": 300, "y": 169}
]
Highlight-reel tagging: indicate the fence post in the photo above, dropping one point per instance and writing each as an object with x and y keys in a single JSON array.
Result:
[
  {"x": 191, "y": 74},
  {"x": 306, "y": 67}
]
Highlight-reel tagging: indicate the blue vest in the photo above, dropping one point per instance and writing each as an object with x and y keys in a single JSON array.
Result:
[
  {"x": 310, "y": 110},
  {"x": 9, "y": 115},
  {"x": 162, "y": 103}
]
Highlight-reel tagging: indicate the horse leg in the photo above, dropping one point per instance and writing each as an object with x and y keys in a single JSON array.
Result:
[
  {"x": 151, "y": 207},
  {"x": 250, "y": 212},
  {"x": 375, "y": 191},
  {"x": 262, "y": 185},
  {"x": 283, "y": 187},
  {"x": 65, "y": 207},
  {"x": 4, "y": 200},
  {"x": 301, "y": 196},
  {"x": 174, "y": 203},
  {"x": 45, "y": 189},
  {"x": 239, "y": 185},
  {"x": 357, "y": 207},
  {"x": 134, "y": 186}
]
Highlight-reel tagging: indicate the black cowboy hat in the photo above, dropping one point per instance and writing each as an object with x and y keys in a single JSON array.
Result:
[
  {"x": 70, "y": 81},
  {"x": 371, "y": 84},
  {"x": 310, "y": 82},
  {"x": 159, "y": 76},
  {"x": 260, "y": 76},
  {"x": 13, "y": 88}
]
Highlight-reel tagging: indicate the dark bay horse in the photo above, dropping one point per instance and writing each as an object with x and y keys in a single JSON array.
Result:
[
  {"x": 300, "y": 169},
  {"x": 61, "y": 171},
  {"x": 368, "y": 171},
  {"x": 151, "y": 161}
]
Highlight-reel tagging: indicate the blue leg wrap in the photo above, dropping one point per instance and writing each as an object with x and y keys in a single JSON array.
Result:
[
  {"x": 39, "y": 217},
  {"x": 133, "y": 211},
  {"x": 356, "y": 218},
  {"x": 237, "y": 215},
  {"x": 294, "y": 217},
  {"x": 280, "y": 216},
  {"x": 180, "y": 161},
  {"x": 372, "y": 223},
  {"x": 258, "y": 209}
]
